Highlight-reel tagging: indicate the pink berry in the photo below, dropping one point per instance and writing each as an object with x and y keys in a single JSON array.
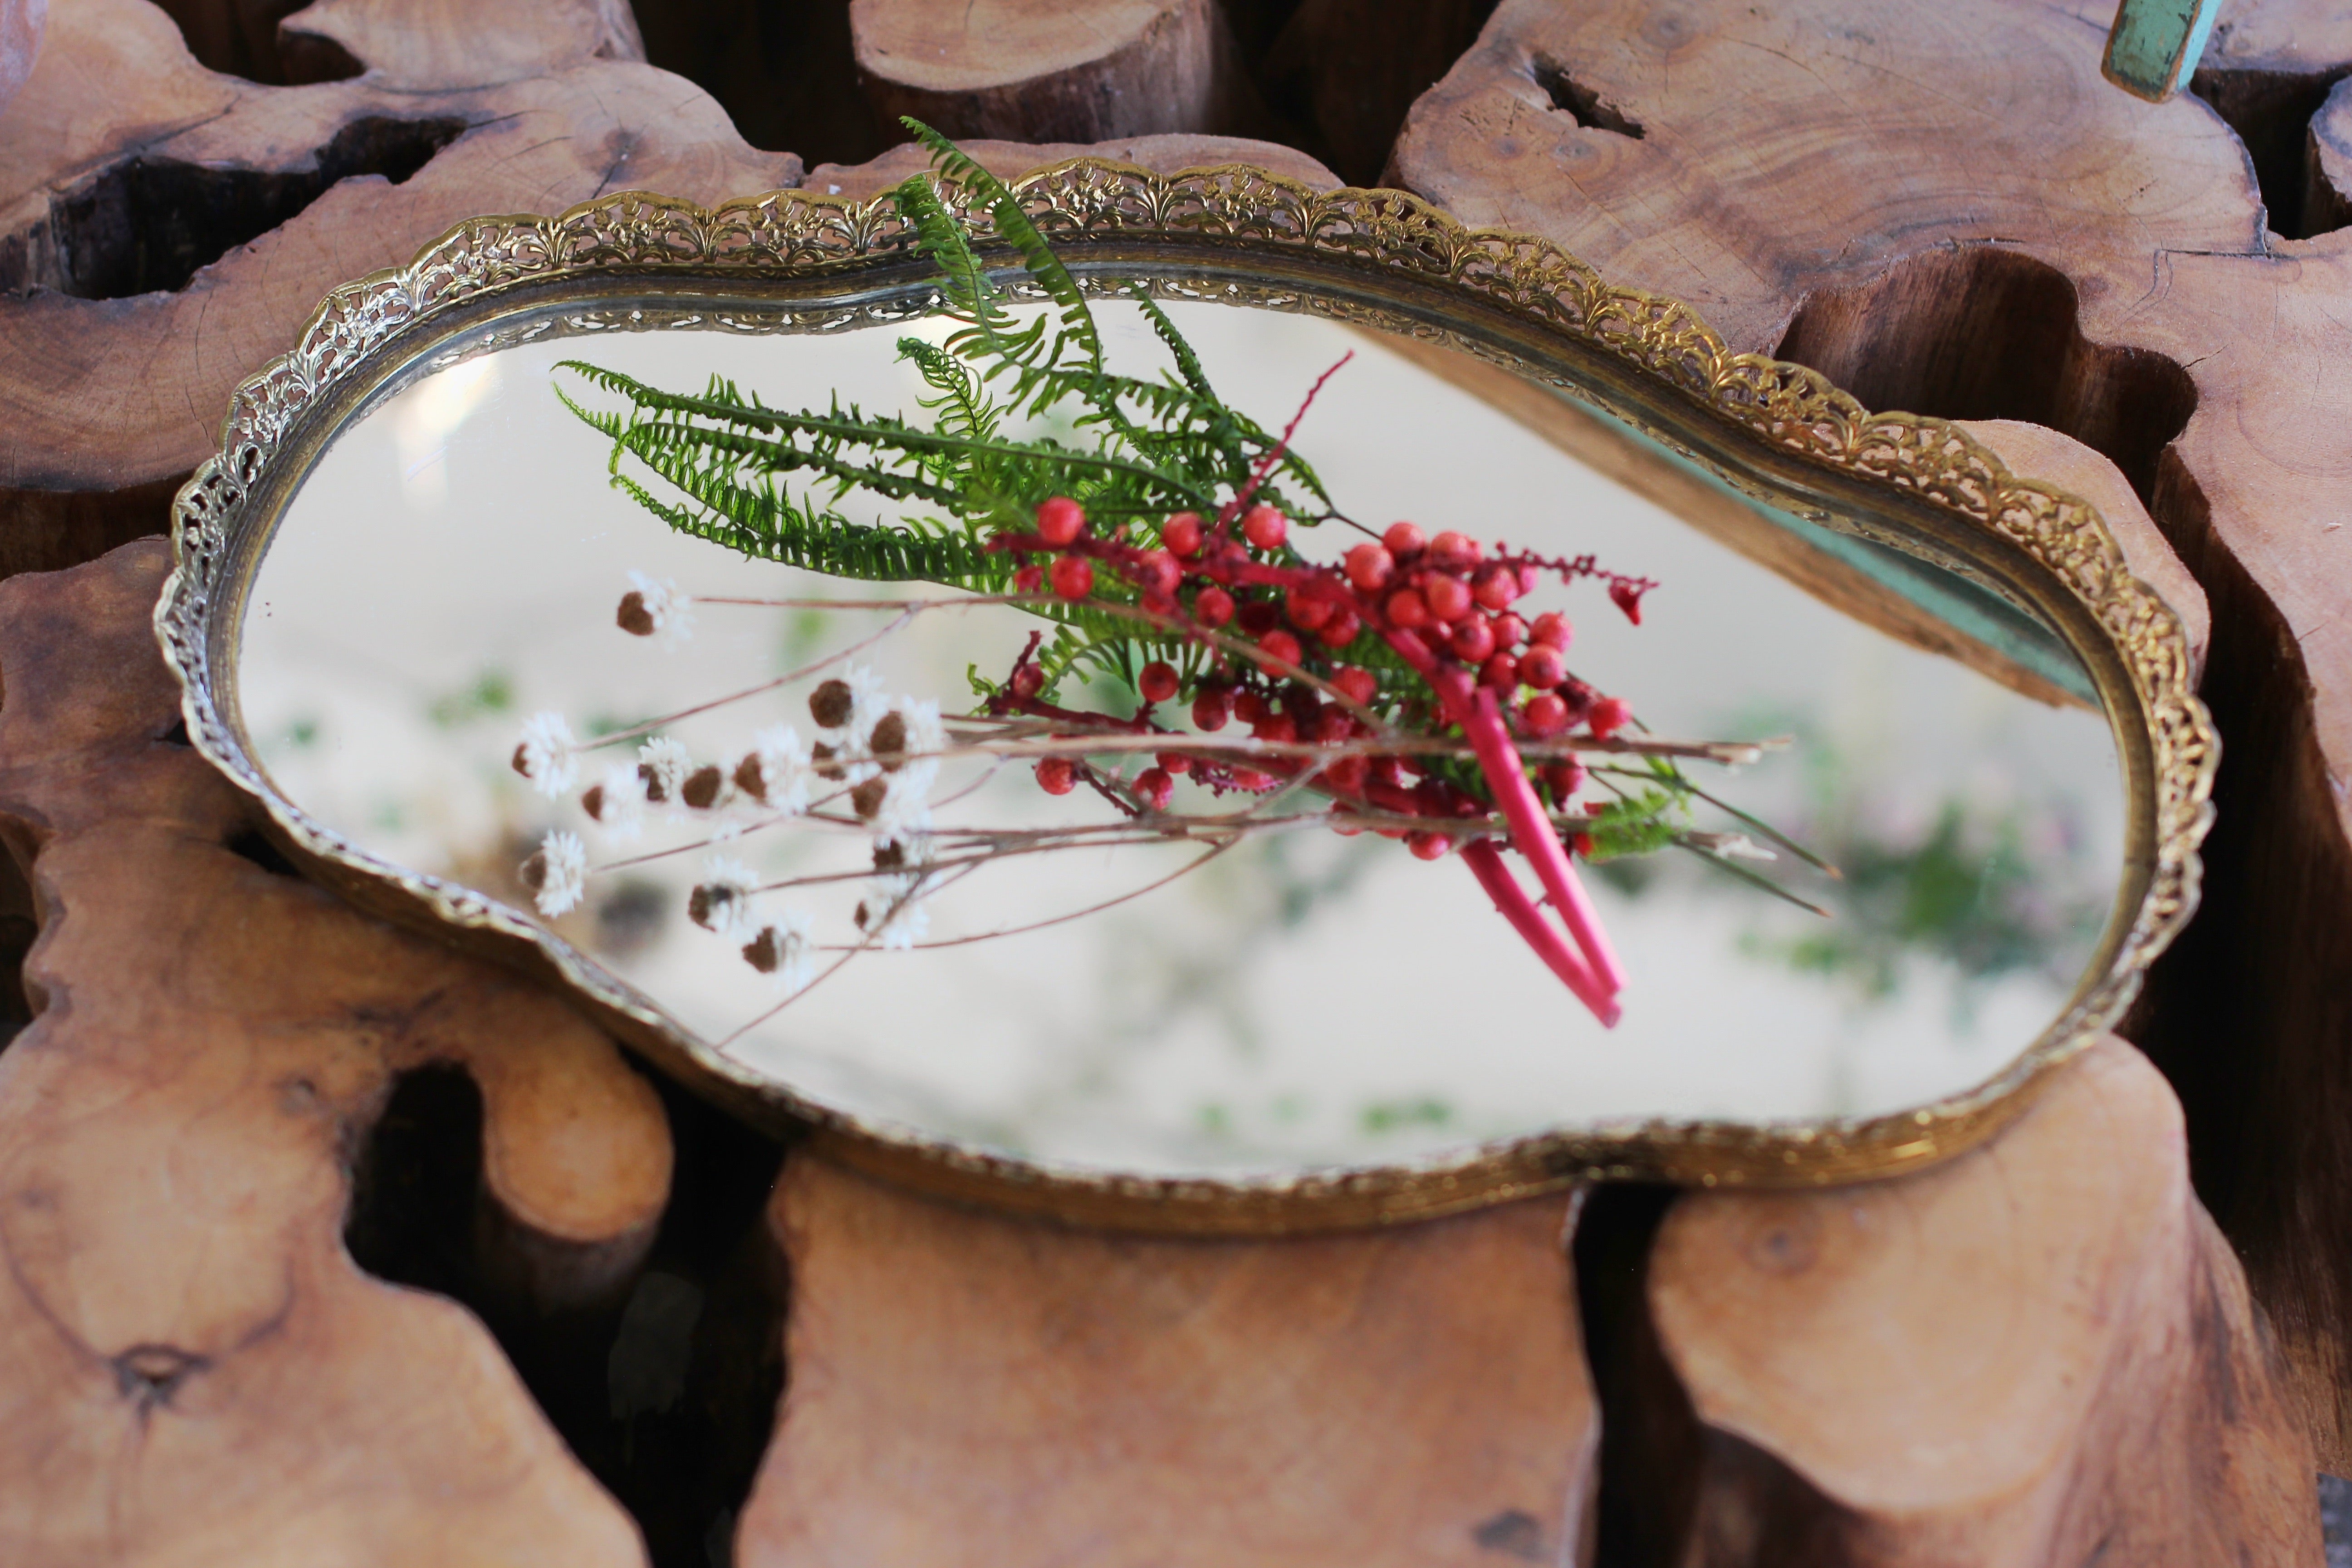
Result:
[
  {"x": 1348, "y": 774},
  {"x": 1264, "y": 527},
  {"x": 1280, "y": 646},
  {"x": 1341, "y": 629},
  {"x": 1213, "y": 708},
  {"x": 1407, "y": 608},
  {"x": 1028, "y": 681},
  {"x": 1258, "y": 616},
  {"x": 1449, "y": 598},
  {"x": 1153, "y": 786},
  {"x": 1213, "y": 608},
  {"x": 1308, "y": 611},
  {"x": 1250, "y": 707},
  {"x": 1428, "y": 845},
  {"x": 1060, "y": 521},
  {"x": 1029, "y": 579},
  {"x": 1176, "y": 762},
  {"x": 1369, "y": 567},
  {"x": 1280, "y": 728},
  {"x": 1157, "y": 573},
  {"x": 1073, "y": 576},
  {"x": 1403, "y": 539},
  {"x": 1542, "y": 667},
  {"x": 1183, "y": 534},
  {"x": 1473, "y": 640},
  {"x": 1056, "y": 776},
  {"x": 1545, "y": 715},
  {"x": 1628, "y": 598},
  {"x": 1496, "y": 587},
  {"x": 1565, "y": 778},
  {"x": 1158, "y": 680},
  {"x": 1502, "y": 673},
  {"x": 1552, "y": 627},
  {"x": 1359, "y": 685},
  {"x": 1608, "y": 716},
  {"x": 1509, "y": 630},
  {"x": 1333, "y": 725},
  {"x": 1455, "y": 550}
]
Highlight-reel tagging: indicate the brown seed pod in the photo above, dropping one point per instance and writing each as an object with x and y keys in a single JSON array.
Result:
[
  {"x": 889, "y": 742},
  {"x": 701, "y": 788},
  {"x": 830, "y": 704},
  {"x": 634, "y": 617},
  {"x": 866, "y": 798},
  {"x": 751, "y": 778}
]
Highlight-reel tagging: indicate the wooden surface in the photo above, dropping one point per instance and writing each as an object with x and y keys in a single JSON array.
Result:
[
  {"x": 196, "y": 1371},
  {"x": 1949, "y": 213},
  {"x": 967, "y": 1389},
  {"x": 2041, "y": 1352},
  {"x": 20, "y": 39},
  {"x": 1044, "y": 70},
  {"x": 1940, "y": 207}
]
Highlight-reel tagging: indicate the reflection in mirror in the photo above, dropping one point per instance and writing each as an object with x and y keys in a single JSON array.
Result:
[{"x": 453, "y": 563}]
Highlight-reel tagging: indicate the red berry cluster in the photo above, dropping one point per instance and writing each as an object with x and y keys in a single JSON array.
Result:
[{"x": 1442, "y": 604}]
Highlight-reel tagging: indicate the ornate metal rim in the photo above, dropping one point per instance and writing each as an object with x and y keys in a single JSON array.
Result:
[{"x": 1775, "y": 431}]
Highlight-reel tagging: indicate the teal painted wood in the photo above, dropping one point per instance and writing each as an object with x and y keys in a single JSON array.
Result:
[{"x": 2153, "y": 47}]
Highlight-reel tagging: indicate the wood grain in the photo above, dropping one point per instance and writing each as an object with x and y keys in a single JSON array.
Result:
[
  {"x": 112, "y": 379},
  {"x": 2041, "y": 1353},
  {"x": 197, "y": 1372},
  {"x": 1049, "y": 71},
  {"x": 973, "y": 1389},
  {"x": 21, "y": 22}
]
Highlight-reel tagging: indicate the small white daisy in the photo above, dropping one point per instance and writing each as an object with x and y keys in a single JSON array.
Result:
[
  {"x": 724, "y": 901},
  {"x": 654, "y": 606},
  {"x": 617, "y": 802},
  {"x": 558, "y": 875},
  {"x": 663, "y": 764},
  {"x": 545, "y": 757},
  {"x": 783, "y": 951},
  {"x": 775, "y": 772}
]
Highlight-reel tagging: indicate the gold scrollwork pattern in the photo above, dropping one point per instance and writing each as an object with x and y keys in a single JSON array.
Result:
[{"x": 795, "y": 234}]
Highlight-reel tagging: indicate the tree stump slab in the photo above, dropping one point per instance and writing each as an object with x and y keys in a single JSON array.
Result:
[
  {"x": 197, "y": 1373},
  {"x": 2041, "y": 1352},
  {"x": 973, "y": 1389}
]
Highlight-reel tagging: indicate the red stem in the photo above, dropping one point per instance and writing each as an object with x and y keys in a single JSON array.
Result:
[{"x": 1486, "y": 863}]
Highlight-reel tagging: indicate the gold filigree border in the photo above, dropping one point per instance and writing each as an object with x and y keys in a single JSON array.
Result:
[{"x": 1229, "y": 220}]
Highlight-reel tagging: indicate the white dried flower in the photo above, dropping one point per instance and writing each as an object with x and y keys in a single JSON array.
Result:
[
  {"x": 892, "y": 913},
  {"x": 1734, "y": 846},
  {"x": 724, "y": 901},
  {"x": 617, "y": 802},
  {"x": 545, "y": 757},
  {"x": 783, "y": 951},
  {"x": 776, "y": 772},
  {"x": 654, "y": 607},
  {"x": 902, "y": 813},
  {"x": 848, "y": 706},
  {"x": 557, "y": 875},
  {"x": 663, "y": 765}
]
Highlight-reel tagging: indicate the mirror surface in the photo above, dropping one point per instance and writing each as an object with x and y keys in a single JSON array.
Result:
[{"x": 452, "y": 564}]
